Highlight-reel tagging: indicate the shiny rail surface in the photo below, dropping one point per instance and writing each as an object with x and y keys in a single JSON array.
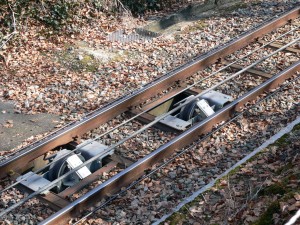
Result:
[
  {"x": 128, "y": 176},
  {"x": 137, "y": 169},
  {"x": 122, "y": 104}
]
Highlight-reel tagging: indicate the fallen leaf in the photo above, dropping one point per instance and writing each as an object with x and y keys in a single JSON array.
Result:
[
  {"x": 297, "y": 196},
  {"x": 8, "y": 124},
  {"x": 292, "y": 207},
  {"x": 223, "y": 183}
]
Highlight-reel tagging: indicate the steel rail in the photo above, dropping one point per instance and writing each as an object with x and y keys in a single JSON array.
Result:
[
  {"x": 100, "y": 116},
  {"x": 137, "y": 169},
  {"x": 157, "y": 119},
  {"x": 145, "y": 111},
  {"x": 184, "y": 151}
]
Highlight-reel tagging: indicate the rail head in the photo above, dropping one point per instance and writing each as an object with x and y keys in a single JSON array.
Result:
[
  {"x": 102, "y": 115},
  {"x": 131, "y": 173},
  {"x": 184, "y": 139}
]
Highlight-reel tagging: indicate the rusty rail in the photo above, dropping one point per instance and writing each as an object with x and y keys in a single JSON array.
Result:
[
  {"x": 102, "y": 115},
  {"x": 137, "y": 169},
  {"x": 16, "y": 163}
]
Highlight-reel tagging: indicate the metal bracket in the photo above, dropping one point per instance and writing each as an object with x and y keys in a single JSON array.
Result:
[
  {"x": 175, "y": 122},
  {"x": 74, "y": 161},
  {"x": 34, "y": 181},
  {"x": 89, "y": 149},
  {"x": 217, "y": 99},
  {"x": 205, "y": 109}
]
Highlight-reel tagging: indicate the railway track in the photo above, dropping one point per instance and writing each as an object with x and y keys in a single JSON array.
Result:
[{"x": 186, "y": 104}]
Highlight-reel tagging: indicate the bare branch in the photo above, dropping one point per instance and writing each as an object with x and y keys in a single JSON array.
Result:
[
  {"x": 14, "y": 19},
  {"x": 251, "y": 197},
  {"x": 10, "y": 36}
]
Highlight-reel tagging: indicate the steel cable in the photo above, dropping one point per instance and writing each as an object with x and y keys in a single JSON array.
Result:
[
  {"x": 157, "y": 119},
  {"x": 141, "y": 113},
  {"x": 182, "y": 152},
  {"x": 252, "y": 28}
]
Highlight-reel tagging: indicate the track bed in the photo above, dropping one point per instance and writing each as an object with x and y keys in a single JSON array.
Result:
[{"x": 92, "y": 162}]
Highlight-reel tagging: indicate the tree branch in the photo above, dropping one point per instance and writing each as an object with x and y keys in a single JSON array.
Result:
[{"x": 10, "y": 36}]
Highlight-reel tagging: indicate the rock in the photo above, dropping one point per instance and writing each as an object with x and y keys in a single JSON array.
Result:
[
  {"x": 80, "y": 57},
  {"x": 11, "y": 202},
  {"x": 68, "y": 83},
  {"x": 172, "y": 174},
  {"x": 71, "y": 49},
  {"x": 135, "y": 203},
  {"x": 26, "y": 103},
  {"x": 54, "y": 70},
  {"x": 10, "y": 93}
]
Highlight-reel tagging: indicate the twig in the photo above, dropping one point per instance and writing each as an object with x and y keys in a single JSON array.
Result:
[
  {"x": 14, "y": 27},
  {"x": 14, "y": 19},
  {"x": 230, "y": 195},
  {"x": 189, "y": 212},
  {"x": 124, "y": 8},
  {"x": 43, "y": 6},
  {"x": 250, "y": 199},
  {"x": 203, "y": 198},
  {"x": 4, "y": 42}
]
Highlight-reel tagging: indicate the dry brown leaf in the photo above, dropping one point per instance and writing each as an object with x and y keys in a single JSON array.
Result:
[
  {"x": 297, "y": 196},
  {"x": 223, "y": 183}
]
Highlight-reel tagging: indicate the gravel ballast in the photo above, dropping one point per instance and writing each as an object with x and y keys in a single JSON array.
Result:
[{"x": 54, "y": 87}]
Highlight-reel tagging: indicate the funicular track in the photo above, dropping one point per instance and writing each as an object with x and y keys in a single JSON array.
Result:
[{"x": 134, "y": 105}]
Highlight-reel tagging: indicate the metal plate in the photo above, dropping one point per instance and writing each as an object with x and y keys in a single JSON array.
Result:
[
  {"x": 74, "y": 161},
  {"x": 205, "y": 108},
  {"x": 102, "y": 115},
  {"x": 217, "y": 99},
  {"x": 175, "y": 123},
  {"x": 34, "y": 181}
]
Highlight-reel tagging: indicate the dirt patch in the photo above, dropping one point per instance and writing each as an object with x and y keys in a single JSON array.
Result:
[{"x": 16, "y": 127}]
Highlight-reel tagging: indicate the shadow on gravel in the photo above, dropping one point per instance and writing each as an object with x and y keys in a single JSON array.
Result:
[{"x": 210, "y": 9}]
